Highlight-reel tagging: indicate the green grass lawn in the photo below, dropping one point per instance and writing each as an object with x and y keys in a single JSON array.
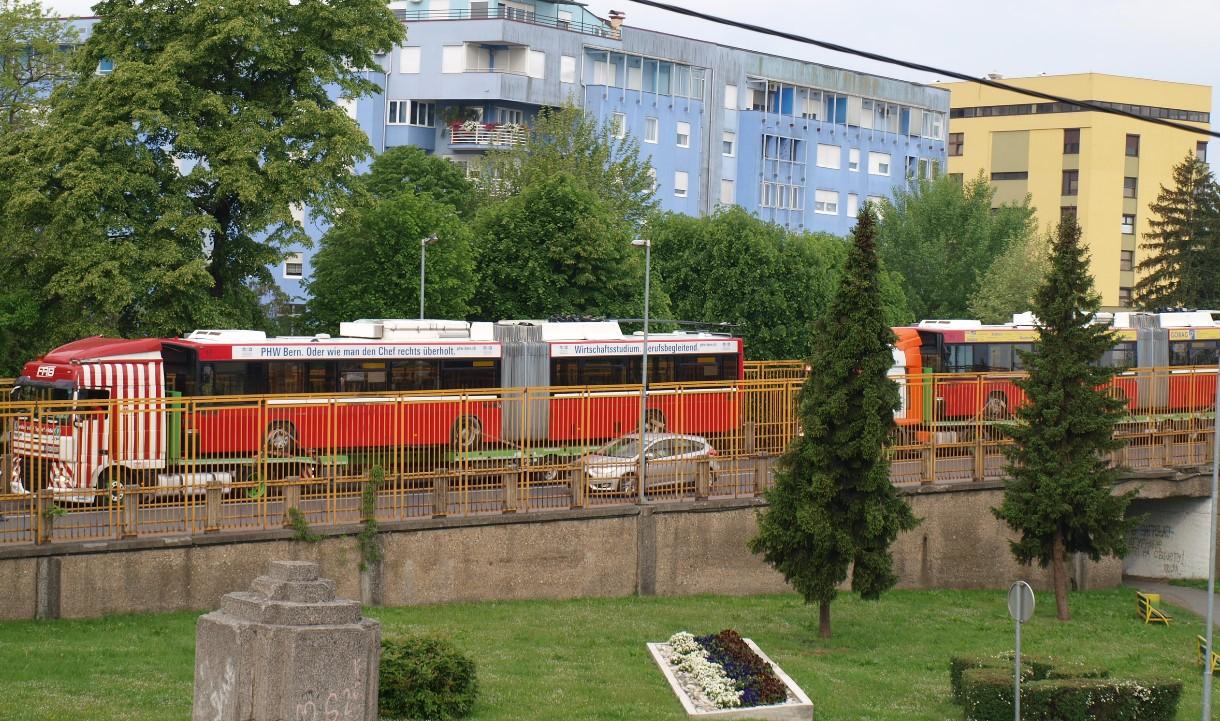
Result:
[
  {"x": 586, "y": 659},
  {"x": 1197, "y": 583}
]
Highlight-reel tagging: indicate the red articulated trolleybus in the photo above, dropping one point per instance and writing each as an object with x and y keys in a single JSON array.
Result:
[
  {"x": 1182, "y": 346},
  {"x": 104, "y": 407}
]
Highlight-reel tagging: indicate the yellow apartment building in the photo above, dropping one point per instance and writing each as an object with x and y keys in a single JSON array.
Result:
[{"x": 1104, "y": 169}]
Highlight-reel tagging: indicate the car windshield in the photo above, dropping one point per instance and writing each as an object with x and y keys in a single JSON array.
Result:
[
  {"x": 28, "y": 391},
  {"x": 621, "y": 448}
]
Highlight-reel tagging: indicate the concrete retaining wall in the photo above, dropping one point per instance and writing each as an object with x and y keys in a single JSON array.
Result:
[{"x": 669, "y": 550}]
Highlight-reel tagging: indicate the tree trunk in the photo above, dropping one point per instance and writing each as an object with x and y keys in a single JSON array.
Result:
[
  {"x": 824, "y": 619},
  {"x": 1059, "y": 571}
]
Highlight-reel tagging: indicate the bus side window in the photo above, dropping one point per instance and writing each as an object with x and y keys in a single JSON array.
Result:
[
  {"x": 958, "y": 358},
  {"x": 470, "y": 374},
  {"x": 228, "y": 379},
  {"x": 565, "y": 372},
  {"x": 1203, "y": 353},
  {"x": 415, "y": 375},
  {"x": 285, "y": 377},
  {"x": 607, "y": 371},
  {"x": 318, "y": 375},
  {"x": 1179, "y": 353},
  {"x": 698, "y": 368},
  {"x": 1017, "y": 363}
]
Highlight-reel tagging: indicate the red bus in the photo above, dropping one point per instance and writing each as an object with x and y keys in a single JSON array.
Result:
[
  {"x": 382, "y": 383},
  {"x": 1185, "y": 345}
]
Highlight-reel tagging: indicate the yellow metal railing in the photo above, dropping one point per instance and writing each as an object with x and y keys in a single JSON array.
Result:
[{"x": 110, "y": 469}]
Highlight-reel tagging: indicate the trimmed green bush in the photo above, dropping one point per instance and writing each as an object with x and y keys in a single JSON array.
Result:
[
  {"x": 424, "y": 678},
  {"x": 1060, "y": 692}
]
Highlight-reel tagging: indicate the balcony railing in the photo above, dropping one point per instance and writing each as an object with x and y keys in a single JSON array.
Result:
[
  {"x": 601, "y": 30},
  {"x": 489, "y": 136}
]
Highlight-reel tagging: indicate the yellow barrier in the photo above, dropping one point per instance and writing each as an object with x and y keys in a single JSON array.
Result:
[{"x": 107, "y": 469}]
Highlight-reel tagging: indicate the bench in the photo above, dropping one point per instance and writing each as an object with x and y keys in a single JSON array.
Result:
[
  {"x": 1146, "y": 605},
  {"x": 1201, "y": 644}
]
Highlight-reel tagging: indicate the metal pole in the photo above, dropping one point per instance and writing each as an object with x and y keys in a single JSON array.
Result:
[
  {"x": 1211, "y": 556},
  {"x": 644, "y": 367},
  {"x": 423, "y": 250},
  {"x": 1016, "y": 693}
]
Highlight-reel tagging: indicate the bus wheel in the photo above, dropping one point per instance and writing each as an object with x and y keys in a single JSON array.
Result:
[
  {"x": 996, "y": 407},
  {"x": 654, "y": 421},
  {"x": 467, "y": 432},
  {"x": 281, "y": 439},
  {"x": 626, "y": 484}
]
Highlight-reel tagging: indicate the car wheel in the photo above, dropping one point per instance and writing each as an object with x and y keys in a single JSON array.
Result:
[
  {"x": 654, "y": 421},
  {"x": 626, "y": 484},
  {"x": 467, "y": 432},
  {"x": 281, "y": 439}
]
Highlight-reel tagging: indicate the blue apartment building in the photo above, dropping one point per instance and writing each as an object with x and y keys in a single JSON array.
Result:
[{"x": 794, "y": 142}]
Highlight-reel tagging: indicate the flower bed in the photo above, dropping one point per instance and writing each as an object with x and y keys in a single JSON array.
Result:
[{"x": 726, "y": 676}]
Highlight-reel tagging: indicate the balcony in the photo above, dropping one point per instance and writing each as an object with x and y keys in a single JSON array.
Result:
[
  {"x": 601, "y": 30},
  {"x": 473, "y": 135}
]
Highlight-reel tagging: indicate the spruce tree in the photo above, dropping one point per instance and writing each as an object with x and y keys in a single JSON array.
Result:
[
  {"x": 1183, "y": 266},
  {"x": 832, "y": 506},
  {"x": 1060, "y": 493}
]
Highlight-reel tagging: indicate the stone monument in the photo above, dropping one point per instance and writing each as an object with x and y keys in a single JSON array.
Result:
[{"x": 287, "y": 650}]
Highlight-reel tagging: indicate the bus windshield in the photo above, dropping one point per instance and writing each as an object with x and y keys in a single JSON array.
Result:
[{"x": 27, "y": 390}]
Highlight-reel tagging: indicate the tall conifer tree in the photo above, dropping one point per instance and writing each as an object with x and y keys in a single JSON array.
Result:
[
  {"x": 1060, "y": 493},
  {"x": 1182, "y": 269},
  {"x": 832, "y": 507}
]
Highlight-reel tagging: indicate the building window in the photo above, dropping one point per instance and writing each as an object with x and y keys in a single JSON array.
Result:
[
  {"x": 1124, "y": 297},
  {"x": 1128, "y": 226},
  {"x": 565, "y": 19},
  {"x": 853, "y": 160},
  {"x": 826, "y": 202},
  {"x": 294, "y": 266},
  {"x": 408, "y": 60},
  {"x": 618, "y": 125},
  {"x": 680, "y": 182},
  {"x": 730, "y": 97},
  {"x": 652, "y": 173},
  {"x": 957, "y": 143},
  {"x": 1126, "y": 260},
  {"x": 397, "y": 112},
  {"x": 1129, "y": 187},
  {"x": 935, "y": 169},
  {"x": 567, "y": 69},
  {"x": 1133, "y": 146},
  {"x": 652, "y": 130},
  {"x": 510, "y": 116},
  {"x": 683, "y": 135},
  {"x": 796, "y": 195},
  {"x": 1013, "y": 175},
  {"x": 453, "y": 58},
  {"x": 536, "y": 67},
  {"x": 878, "y": 163},
  {"x": 1066, "y": 213},
  {"x": 728, "y": 193},
  {"x": 829, "y": 156},
  {"x": 729, "y": 144},
  {"x": 1071, "y": 182},
  {"x": 764, "y": 195},
  {"x": 958, "y": 178},
  {"x": 853, "y": 205},
  {"x": 1201, "y": 150},
  {"x": 423, "y": 114},
  {"x": 1071, "y": 141},
  {"x": 923, "y": 168}
]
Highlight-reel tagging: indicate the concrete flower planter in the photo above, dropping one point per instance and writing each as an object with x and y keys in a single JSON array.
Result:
[{"x": 797, "y": 708}]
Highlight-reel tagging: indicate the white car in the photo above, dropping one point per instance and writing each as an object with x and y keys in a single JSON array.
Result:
[{"x": 670, "y": 458}]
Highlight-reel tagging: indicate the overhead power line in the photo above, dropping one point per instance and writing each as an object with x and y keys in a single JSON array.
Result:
[{"x": 1085, "y": 104}]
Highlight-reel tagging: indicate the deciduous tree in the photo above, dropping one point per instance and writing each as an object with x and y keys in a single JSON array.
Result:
[
  {"x": 1060, "y": 493},
  {"x": 1182, "y": 269},
  {"x": 408, "y": 168},
  {"x": 557, "y": 247},
  {"x": 368, "y": 266},
  {"x": 941, "y": 236},
  {"x": 772, "y": 283},
  {"x": 832, "y": 507},
  {"x": 155, "y": 196},
  {"x": 34, "y": 50},
  {"x": 1009, "y": 283}
]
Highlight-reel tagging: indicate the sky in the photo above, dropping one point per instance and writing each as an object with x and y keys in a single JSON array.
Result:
[{"x": 1161, "y": 39}]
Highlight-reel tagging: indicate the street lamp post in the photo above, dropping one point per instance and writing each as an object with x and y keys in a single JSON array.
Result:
[
  {"x": 647, "y": 246},
  {"x": 423, "y": 252},
  {"x": 1211, "y": 555}
]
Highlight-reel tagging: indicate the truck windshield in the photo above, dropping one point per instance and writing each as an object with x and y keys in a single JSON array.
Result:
[{"x": 26, "y": 390}]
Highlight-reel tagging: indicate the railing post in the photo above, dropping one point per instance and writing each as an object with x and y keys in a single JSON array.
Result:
[
  {"x": 131, "y": 511},
  {"x": 440, "y": 494},
  {"x": 762, "y": 474},
  {"x": 703, "y": 479},
  {"x": 749, "y": 438},
  {"x": 510, "y": 491},
  {"x": 211, "y": 506},
  {"x": 292, "y": 497},
  {"x": 44, "y": 517},
  {"x": 576, "y": 483}
]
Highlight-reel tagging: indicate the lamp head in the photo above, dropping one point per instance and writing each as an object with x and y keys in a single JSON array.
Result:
[
  {"x": 641, "y": 243},
  {"x": 430, "y": 240}
]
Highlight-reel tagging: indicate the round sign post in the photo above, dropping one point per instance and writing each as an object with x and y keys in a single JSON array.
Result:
[{"x": 1021, "y": 608}]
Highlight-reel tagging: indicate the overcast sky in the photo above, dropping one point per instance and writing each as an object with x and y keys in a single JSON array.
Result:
[{"x": 1161, "y": 39}]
